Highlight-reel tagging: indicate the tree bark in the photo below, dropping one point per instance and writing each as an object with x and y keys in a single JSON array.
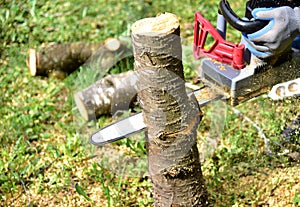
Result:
[
  {"x": 171, "y": 116},
  {"x": 58, "y": 59}
]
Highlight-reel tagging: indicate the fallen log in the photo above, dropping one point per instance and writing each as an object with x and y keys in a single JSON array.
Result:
[
  {"x": 108, "y": 95},
  {"x": 58, "y": 60}
]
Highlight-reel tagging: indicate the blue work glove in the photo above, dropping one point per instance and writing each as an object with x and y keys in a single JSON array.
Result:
[
  {"x": 278, "y": 35},
  {"x": 296, "y": 43}
]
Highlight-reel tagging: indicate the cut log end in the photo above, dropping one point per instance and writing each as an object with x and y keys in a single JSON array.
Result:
[
  {"x": 31, "y": 61},
  {"x": 112, "y": 44},
  {"x": 164, "y": 23},
  {"x": 81, "y": 107}
]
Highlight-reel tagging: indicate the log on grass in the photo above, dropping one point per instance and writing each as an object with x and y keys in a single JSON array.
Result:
[
  {"x": 108, "y": 95},
  {"x": 58, "y": 60},
  {"x": 171, "y": 116}
]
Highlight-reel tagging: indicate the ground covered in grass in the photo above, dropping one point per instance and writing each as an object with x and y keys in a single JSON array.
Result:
[{"x": 45, "y": 157}]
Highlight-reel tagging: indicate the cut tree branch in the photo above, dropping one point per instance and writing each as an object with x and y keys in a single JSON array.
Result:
[
  {"x": 106, "y": 96},
  {"x": 58, "y": 59}
]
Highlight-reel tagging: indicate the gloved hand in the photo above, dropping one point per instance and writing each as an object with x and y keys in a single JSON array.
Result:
[{"x": 278, "y": 35}]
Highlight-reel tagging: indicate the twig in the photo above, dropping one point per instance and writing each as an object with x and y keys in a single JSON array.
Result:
[
  {"x": 23, "y": 185},
  {"x": 25, "y": 190},
  {"x": 259, "y": 130},
  {"x": 88, "y": 158}
]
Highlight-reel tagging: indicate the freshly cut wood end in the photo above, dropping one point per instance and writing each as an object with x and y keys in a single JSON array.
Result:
[
  {"x": 112, "y": 44},
  {"x": 31, "y": 61},
  {"x": 81, "y": 106},
  {"x": 164, "y": 23}
]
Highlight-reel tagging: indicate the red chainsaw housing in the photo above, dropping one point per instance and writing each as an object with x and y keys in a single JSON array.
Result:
[{"x": 221, "y": 50}]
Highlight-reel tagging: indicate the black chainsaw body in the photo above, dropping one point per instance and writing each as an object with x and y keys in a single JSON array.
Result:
[{"x": 251, "y": 25}]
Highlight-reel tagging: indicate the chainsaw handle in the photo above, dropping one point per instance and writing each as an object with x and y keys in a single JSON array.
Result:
[
  {"x": 247, "y": 26},
  {"x": 220, "y": 50}
]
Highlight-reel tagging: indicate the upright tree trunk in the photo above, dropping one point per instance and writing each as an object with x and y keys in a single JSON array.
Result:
[{"x": 170, "y": 114}]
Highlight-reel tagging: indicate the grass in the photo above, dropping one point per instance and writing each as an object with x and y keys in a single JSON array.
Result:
[{"x": 45, "y": 157}]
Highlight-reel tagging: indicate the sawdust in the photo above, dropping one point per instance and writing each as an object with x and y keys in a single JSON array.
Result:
[
  {"x": 270, "y": 187},
  {"x": 205, "y": 94},
  {"x": 222, "y": 68}
]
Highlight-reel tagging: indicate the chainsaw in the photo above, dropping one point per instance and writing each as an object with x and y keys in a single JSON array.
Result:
[{"x": 230, "y": 70}]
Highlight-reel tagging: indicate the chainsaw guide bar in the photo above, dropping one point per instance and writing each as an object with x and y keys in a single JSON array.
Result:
[{"x": 135, "y": 123}]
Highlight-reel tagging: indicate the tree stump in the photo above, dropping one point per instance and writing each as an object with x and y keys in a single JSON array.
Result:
[{"x": 171, "y": 116}]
